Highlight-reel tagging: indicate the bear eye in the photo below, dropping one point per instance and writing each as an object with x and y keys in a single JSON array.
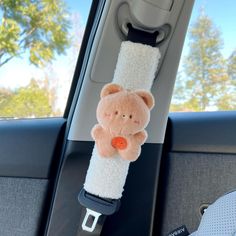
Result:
[
  {"x": 116, "y": 112},
  {"x": 130, "y": 116}
]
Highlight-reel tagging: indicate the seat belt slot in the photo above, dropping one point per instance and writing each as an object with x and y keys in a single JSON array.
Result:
[{"x": 105, "y": 206}]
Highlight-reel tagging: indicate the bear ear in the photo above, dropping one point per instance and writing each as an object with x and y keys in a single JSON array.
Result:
[
  {"x": 110, "y": 89},
  {"x": 147, "y": 98}
]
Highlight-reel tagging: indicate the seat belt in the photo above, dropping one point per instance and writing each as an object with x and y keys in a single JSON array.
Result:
[{"x": 101, "y": 202}]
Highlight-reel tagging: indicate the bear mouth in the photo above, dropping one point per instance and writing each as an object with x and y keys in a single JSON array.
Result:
[
  {"x": 116, "y": 131},
  {"x": 119, "y": 131}
]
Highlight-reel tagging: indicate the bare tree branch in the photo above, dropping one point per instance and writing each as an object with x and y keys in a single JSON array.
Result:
[{"x": 6, "y": 60}]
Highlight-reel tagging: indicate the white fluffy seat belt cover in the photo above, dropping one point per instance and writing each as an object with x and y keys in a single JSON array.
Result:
[{"x": 135, "y": 69}]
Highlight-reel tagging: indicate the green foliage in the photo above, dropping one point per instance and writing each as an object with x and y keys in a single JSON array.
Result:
[
  {"x": 39, "y": 27},
  {"x": 5, "y": 95},
  {"x": 232, "y": 65},
  {"x": 30, "y": 101},
  {"x": 206, "y": 81}
]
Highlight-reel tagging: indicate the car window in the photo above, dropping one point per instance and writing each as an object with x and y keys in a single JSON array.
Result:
[
  {"x": 206, "y": 79},
  {"x": 39, "y": 44}
]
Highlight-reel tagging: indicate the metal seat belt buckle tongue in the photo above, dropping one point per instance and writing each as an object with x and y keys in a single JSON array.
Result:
[
  {"x": 95, "y": 207},
  {"x": 96, "y": 216},
  {"x": 106, "y": 177}
]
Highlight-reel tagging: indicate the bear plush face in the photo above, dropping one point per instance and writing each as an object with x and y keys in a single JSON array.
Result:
[{"x": 124, "y": 112}]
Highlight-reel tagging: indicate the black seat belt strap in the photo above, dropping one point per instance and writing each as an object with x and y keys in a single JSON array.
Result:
[{"x": 139, "y": 36}]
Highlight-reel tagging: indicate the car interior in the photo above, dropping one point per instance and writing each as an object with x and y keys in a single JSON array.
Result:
[{"x": 186, "y": 164}]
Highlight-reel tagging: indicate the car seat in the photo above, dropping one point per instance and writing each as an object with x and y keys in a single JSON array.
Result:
[{"x": 219, "y": 218}]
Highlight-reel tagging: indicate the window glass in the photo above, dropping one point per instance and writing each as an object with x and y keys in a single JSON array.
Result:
[
  {"x": 206, "y": 79},
  {"x": 39, "y": 44}
]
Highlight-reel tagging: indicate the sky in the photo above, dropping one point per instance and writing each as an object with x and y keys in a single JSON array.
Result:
[
  {"x": 81, "y": 6},
  {"x": 223, "y": 15},
  {"x": 18, "y": 72}
]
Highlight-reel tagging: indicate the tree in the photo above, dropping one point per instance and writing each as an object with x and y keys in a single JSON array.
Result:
[
  {"x": 205, "y": 83},
  {"x": 59, "y": 83},
  {"x": 228, "y": 100},
  {"x": 232, "y": 65},
  {"x": 5, "y": 95},
  {"x": 38, "y": 27},
  {"x": 25, "y": 102}
]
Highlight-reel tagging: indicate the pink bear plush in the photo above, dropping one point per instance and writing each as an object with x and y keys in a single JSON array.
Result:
[{"x": 122, "y": 116}]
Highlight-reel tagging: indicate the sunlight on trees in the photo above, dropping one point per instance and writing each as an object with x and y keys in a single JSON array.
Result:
[
  {"x": 38, "y": 27},
  {"x": 207, "y": 81},
  {"x": 30, "y": 101},
  {"x": 232, "y": 66}
]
